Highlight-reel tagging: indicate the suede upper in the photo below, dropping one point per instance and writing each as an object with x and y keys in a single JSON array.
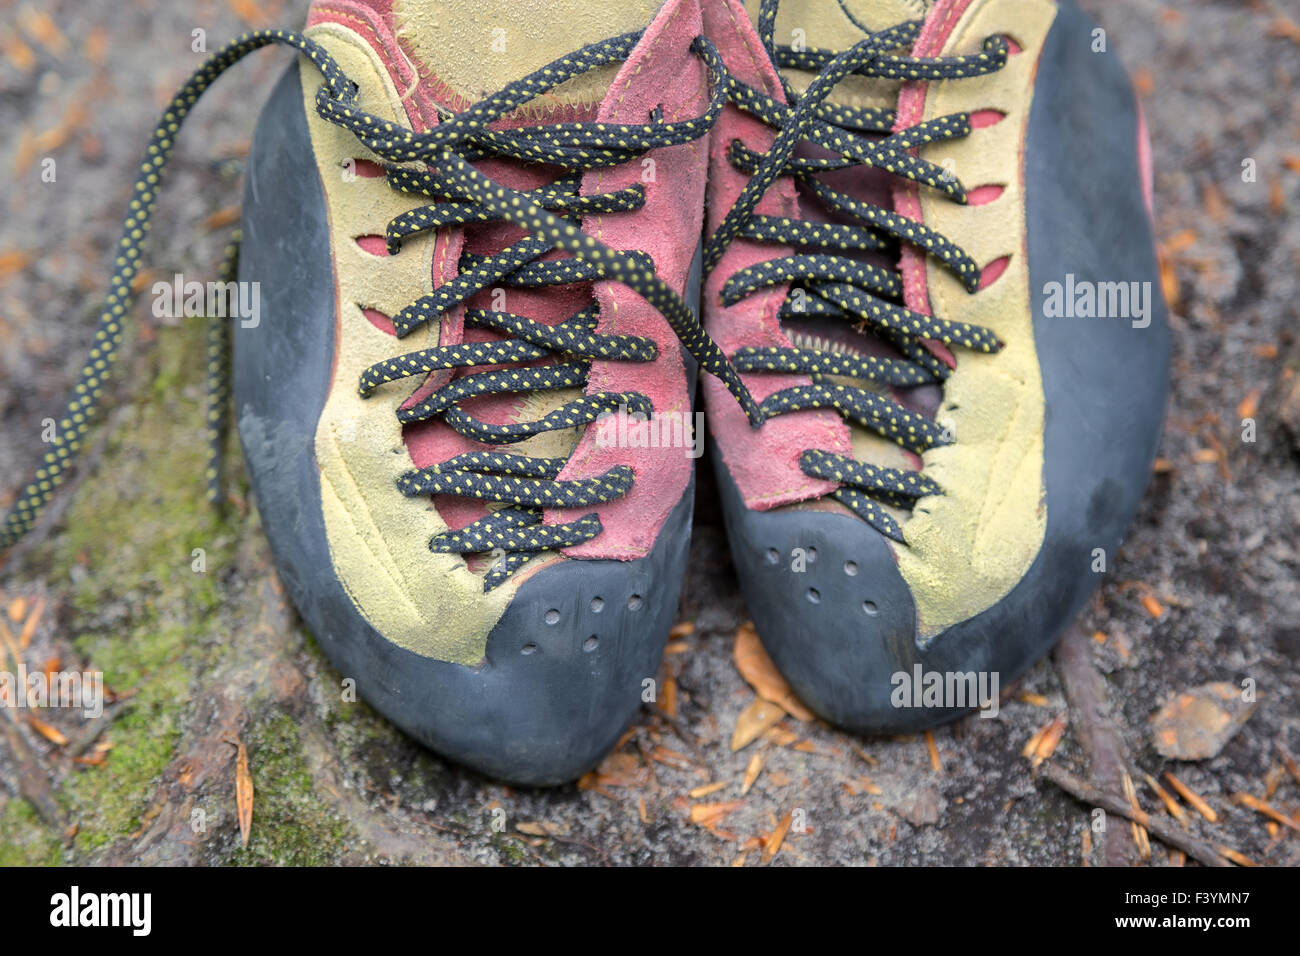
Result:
[{"x": 379, "y": 537}]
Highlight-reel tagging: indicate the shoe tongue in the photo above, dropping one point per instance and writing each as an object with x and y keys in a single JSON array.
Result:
[
  {"x": 476, "y": 47},
  {"x": 837, "y": 25}
]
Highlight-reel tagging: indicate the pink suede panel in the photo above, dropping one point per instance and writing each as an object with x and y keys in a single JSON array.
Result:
[
  {"x": 764, "y": 463},
  {"x": 662, "y": 73}
]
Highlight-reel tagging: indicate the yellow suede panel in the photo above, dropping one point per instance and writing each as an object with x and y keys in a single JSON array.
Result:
[
  {"x": 968, "y": 548},
  {"x": 476, "y": 47},
  {"x": 427, "y": 603}
]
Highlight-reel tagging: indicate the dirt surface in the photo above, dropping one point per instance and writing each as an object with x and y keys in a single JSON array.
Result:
[{"x": 1205, "y": 588}]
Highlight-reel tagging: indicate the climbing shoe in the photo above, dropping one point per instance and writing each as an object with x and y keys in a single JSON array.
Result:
[{"x": 930, "y": 255}]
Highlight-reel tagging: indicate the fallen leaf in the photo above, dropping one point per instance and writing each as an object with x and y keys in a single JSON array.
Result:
[
  {"x": 40, "y": 26},
  {"x": 50, "y": 733},
  {"x": 935, "y": 764},
  {"x": 708, "y": 788},
  {"x": 29, "y": 627},
  {"x": 753, "y": 720},
  {"x": 1144, "y": 82},
  {"x": 866, "y": 757},
  {"x": 51, "y": 667},
  {"x": 243, "y": 788},
  {"x": 222, "y": 217},
  {"x": 97, "y": 45},
  {"x": 751, "y": 773},
  {"x": 1235, "y": 857},
  {"x": 1139, "y": 832},
  {"x": 709, "y": 814},
  {"x": 865, "y": 785},
  {"x": 1051, "y": 738},
  {"x": 1197, "y": 723},
  {"x": 12, "y": 261},
  {"x": 542, "y": 828},
  {"x": 760, "y": 673},
  {"x": 1154, "y": 607},
  {"x": 1284, "y": 27},
  {"x": 250, "y": 12},
  {"x": 777, "y": 837},
  {"x": 1192, "y": 797},
  {"x": 668, "y": 698},
  {"x": 1215, "y": 208},
  {"x": 1180, "y": 241},
  {"x": 20, "y": 56},
  {"x": 616, "y": 770},
  {"x": 622, "y": 741},
  {"x": 1259, "y": 806},
  {"x": 1031, "y": 745},
  {"x": 1175, "y": 809},
  {"x": 780, "y": 736},
  {"x": 17, "y": 609},
  {"x": 1169, "y": 284},
  {"x": 1249, "y": 405},
  {"x": 670, "y": 758}
]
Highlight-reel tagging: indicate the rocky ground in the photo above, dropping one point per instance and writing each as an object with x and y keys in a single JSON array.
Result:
[{"x": 1205, "y": 589}]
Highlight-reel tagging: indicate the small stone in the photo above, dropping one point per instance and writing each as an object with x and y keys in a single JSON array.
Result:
[
  {"x": 1198, "y": 722},
  {"x": 922, "y": 808}
]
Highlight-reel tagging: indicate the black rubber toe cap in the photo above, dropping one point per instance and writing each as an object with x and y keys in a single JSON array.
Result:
[{"x": 563, "y": 675}]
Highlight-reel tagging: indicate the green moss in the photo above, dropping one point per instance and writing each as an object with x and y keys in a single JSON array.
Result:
[
  {"x": 135, "y": 523},
  {"x": 142, "y": 613},
  {"x": 108, "y": 801},
  {"x": 23, "y": 840},
  {"x": 291, "y": 826},
  {"x": 511, "y": 850}
]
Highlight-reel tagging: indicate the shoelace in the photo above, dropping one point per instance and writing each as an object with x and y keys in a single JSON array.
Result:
[
  {"x": 835, "y": 285},
  {"x": 443, "y": 155}
]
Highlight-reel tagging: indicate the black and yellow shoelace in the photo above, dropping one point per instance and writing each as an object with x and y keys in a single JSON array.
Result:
[
  {"x": 830, "y": 282},
  {"x": 437, "y": 164}
]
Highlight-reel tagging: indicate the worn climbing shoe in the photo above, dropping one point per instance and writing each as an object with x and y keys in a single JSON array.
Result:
[
  {"x": 474, "y": 229},
  {"x": 930, "y": 255}
]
